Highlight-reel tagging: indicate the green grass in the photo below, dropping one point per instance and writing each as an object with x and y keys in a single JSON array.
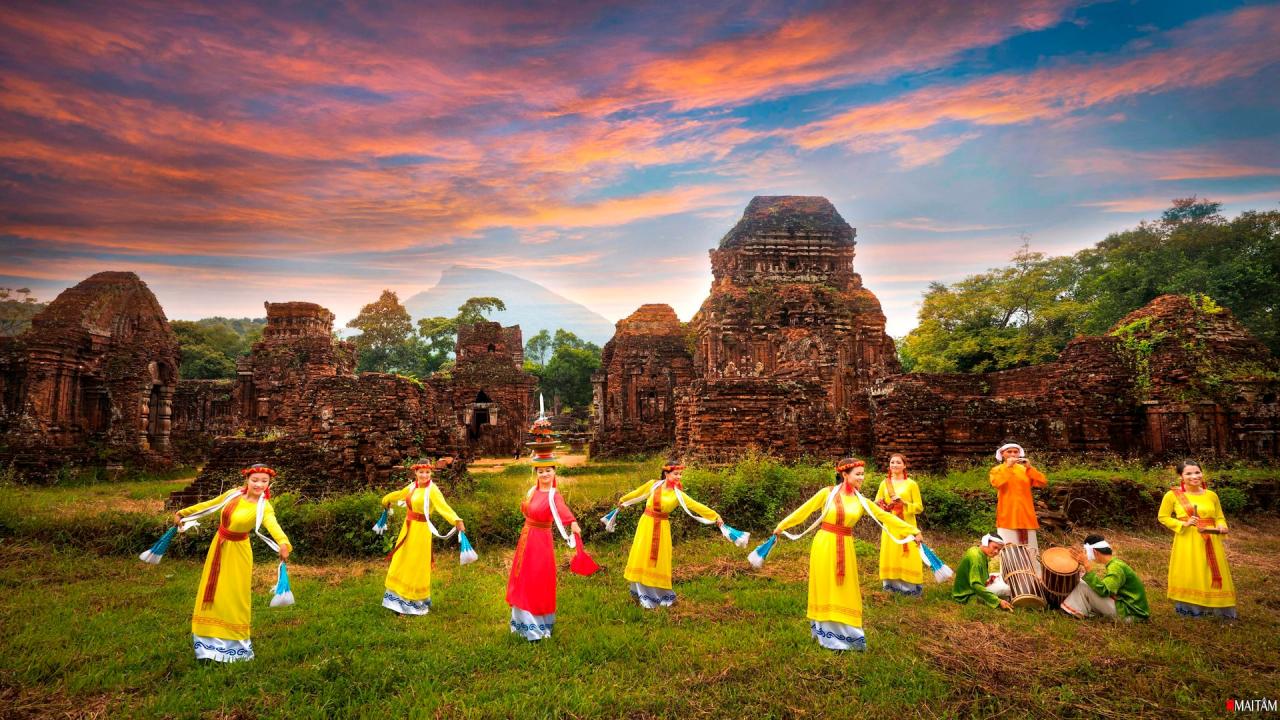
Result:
[
  {"x": 99, "y": 634},
  {"x": 111, "y": 634}
]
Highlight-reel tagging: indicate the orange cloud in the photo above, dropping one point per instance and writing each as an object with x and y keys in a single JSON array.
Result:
[
  {"x": 1191, "y": 164},
  {"x": 1158, "y": 203},
  {"x": 1204, "y": 53},
  {"x": 844, "y": 44}
]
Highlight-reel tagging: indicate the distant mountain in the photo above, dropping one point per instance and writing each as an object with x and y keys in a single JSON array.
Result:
[{"x": 529, "y": 305}]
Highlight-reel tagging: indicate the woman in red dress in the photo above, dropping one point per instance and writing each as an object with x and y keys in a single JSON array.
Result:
[{"x": 531, "y": 588}]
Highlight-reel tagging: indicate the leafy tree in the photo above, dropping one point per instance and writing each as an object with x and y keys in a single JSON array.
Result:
[
  {"x": 537, "y": 348},
  {"x": 566, "y": 339},
  {"x": 568, "y": 375},
  {"x": 1026, "y": 312},
  {"x": 1192, "y": 249},
  {"x": 439, "y": 335},
  {"x": 17, "y": 307},
  {"x": 1006, "y": 317},
  {"x": 202, "y": 362},
  {"x": 382, "y": 324},
  {"x": 202, "y": 340}
]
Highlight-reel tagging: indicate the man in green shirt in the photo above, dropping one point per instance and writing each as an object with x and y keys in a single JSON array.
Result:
[
  {"x": 973, "y": 578},
  {"x": 1116, "y": 593}
]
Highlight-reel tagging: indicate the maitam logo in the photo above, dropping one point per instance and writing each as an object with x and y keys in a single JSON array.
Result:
[{"x": 1256, "y": 705}]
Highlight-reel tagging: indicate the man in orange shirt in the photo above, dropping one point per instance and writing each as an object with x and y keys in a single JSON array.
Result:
[{"x": 1013, "y": 479}]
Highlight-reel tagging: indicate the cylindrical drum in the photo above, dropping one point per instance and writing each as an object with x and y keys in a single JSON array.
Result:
[
  {"x": 1060, "y": 572},
  {"x": 1019, "y": 571}
]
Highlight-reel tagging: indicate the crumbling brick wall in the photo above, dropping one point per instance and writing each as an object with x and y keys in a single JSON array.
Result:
[
  {"x": 492, "y": 395},
  {"x": 790, "y": 320},
  {"x": 92, "y": 380},
  {"x": 634, "y": 390}
]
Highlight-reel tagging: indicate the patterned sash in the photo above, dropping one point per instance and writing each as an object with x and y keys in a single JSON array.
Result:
[
  {"x": 900, "y": 510},
  {"x": 658, "y": 517},
  {"x": 1210, "y": 556},
  {"x": 841, "y": 531},
  {"x": 409, "y": 519},
  {"x": 224, "y": 535}
]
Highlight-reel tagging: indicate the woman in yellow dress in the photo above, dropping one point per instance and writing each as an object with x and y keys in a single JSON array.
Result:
[
  {"x": 1199, "y": 577},
  {"x": 407, "y": 590},
  {"x": 649, "y": 564},
  {"x": 220, "y": 621},
  {"x": 901, "y": 569},
  {"x": 835, "y": 600}
]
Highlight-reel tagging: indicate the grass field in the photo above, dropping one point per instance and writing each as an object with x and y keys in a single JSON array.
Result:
[{"x": 102, "y": 636}]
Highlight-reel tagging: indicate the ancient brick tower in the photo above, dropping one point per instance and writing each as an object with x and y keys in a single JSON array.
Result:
[
  {"x": 789, "y": 340},
  {"x": 492, "y": 394},
  {"x": 297, "y": 346},
  {"x": 92, "y": 379},
  {"x": 634, "y": 391}
]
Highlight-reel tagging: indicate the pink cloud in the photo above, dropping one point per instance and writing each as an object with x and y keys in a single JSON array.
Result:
[
  {"x": 1158, "y": 203},
  {"x": 1203, "y": 53},
  {"x": 845, "y": 44}
]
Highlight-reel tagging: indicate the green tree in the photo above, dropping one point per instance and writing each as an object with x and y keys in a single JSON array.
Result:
[
  {"x": 1026, "y": 312},
  {"x": 202, "y": 362},
  {"x": 384, "y": 326},
  {"x": 537, "y": 348},
  {"x": 1192, "y": 249},
  {"x": 201, "y": 339},
  {"x": 568, "y": 375},
  {"x": 566, "y": 339},
  {"x": 439, "y": 335},
  {"x": 17, "y": 307},
  {"x": 1007, "y": 317}
]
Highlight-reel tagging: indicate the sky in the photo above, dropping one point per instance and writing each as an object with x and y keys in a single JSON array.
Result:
[{"x": 233, "y": 153}]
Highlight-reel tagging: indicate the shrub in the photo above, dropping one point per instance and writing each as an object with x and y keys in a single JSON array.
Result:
[{"x": 1233, "y": 500}]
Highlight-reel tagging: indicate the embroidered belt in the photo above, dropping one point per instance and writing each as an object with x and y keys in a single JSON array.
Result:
[
  {"x": 215, "y": 567},
  {"x": 841, "y": 532},
  {"x": 410, "y": 518},
  {"x": 537, "y": 525},
  {"x": 655, "y": 541}
]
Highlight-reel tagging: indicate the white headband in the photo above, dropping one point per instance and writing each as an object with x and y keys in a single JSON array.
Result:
[
  {"x": 1006, "y": 446},
  {"x": 988, "y": 539},
  {"x": 1100, "y": 545}
]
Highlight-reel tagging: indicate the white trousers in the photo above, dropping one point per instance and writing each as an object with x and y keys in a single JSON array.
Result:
[
  {"x": 1085, "y": 602},
  {"x": 1010, "y": 537}
]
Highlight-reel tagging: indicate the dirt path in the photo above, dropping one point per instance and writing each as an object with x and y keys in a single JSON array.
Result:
[{"x": 493, "y": 465}]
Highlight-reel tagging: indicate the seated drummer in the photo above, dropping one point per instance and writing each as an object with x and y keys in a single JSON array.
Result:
[
  {"x": 1118, "y": 593},
  {"x": 973, "y": 578}
]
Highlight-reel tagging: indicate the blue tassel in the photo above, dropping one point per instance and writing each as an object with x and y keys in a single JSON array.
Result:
[
  {"x": 157, "y": 551},
  {"x": 466, "y": 553},
  {"x": 609, "y": 519},
  {"x": 757, "y": 556},
  {"x": 381, "y": 526},
  {"x": 737, "y": 537},
  {"x": 941, "y": 573},
  {"x": 284, "y": 594}
]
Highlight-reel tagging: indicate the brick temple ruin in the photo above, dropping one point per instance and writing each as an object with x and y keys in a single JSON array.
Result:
[
  {"x": 95, "y": 381},
  {"x": 92, "y": 380},
  {"x": 789, "y": 354}
]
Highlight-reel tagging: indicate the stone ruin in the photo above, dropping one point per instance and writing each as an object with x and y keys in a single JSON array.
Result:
[
  {"x": 788, "y": 342},
  {"x": 95, "y": 381},
  {"x": 91, "y": 381},
  {"x": 490, "y": 390},
  {"x": 634, "y": 390},
  {"x": 789, "y": 355}
]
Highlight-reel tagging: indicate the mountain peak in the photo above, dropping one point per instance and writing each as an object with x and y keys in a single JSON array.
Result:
[{"x": 531, "y": 306}]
